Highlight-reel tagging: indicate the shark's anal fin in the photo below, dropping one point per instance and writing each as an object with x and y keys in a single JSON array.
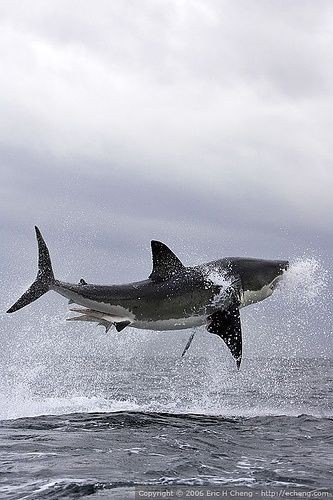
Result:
[
  {"x": 227, "y": 325},
  {"x": 121, "y": 325},
  {"x": 165, "y": 263}
]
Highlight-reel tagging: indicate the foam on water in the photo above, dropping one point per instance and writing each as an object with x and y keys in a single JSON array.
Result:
[
  {"x": 36, "y": 406},
  {"x": 209, "y": 386}
]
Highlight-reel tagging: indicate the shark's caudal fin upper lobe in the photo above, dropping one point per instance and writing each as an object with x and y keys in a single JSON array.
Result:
[{"x": 44, "y": 279}]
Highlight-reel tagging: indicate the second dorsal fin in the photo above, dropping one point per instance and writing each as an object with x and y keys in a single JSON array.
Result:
[{"x": 165, "y": 262}]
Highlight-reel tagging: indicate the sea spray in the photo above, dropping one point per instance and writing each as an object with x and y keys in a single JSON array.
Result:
[
  {"x": 305, "y": 281},
  {"x": 51, "y": 367}
]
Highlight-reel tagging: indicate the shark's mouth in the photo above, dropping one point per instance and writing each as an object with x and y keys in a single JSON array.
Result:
[{"x": 275, "y": 283}]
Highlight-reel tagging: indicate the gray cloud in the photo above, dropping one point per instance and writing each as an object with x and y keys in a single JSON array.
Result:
[
  {"x": 215, "y": 96},
  {"x": 202, "y": 123}
]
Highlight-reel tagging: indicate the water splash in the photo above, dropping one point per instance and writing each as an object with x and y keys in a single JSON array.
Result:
[
  {"x": 221, "y": 281},
  {"x": 305, "y": 281},
  {"x": 52, "y": 368},
  {"x": 203, "y": 385}
]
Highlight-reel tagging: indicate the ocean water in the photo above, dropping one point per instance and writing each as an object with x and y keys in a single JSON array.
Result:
[
  {"x": 267, "y": 426},
  {"x": 96, "y": 415}
]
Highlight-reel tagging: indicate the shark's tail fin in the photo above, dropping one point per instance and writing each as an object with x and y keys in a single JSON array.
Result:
[{"x": 44, "y": 279}]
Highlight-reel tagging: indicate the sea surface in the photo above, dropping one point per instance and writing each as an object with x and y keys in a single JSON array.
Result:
[
  {"x": 85, "y": 413},
  {"x": 164, "y": 420}
]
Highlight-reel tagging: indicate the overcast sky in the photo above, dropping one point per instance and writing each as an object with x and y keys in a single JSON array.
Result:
[{"x": 205, "y": 124}]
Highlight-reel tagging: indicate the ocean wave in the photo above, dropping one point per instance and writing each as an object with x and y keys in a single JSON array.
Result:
[
  {"x": 93, "y": 420},
  {"x": 15, "y": 409}
]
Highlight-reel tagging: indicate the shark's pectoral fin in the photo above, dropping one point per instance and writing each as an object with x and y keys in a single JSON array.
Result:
[
  {"x": 121, "y": 325},
  {"x": 227, "y": 325}
]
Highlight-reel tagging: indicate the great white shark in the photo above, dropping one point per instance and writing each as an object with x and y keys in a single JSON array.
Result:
[{"x": 174, "y": 296}]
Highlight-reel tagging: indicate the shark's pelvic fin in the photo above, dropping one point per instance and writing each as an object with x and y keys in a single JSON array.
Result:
[
  {"x": 121, "y": 325},
  {"x": 165, "y": 263},
  {"x": 227, "y": 325}
]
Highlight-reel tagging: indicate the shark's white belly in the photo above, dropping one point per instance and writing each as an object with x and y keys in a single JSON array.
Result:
[{"x": 170, "y": 324}]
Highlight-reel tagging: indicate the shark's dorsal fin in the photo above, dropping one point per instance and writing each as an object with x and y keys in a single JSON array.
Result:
[
  {"x": 82, "y": 282},
  {"x": 165, "y": 263}
]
